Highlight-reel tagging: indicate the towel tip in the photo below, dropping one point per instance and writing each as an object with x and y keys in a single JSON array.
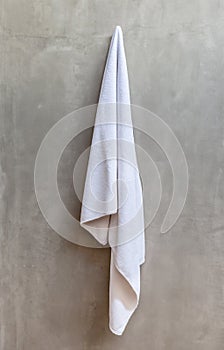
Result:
[{"x": 118, "y": 28}]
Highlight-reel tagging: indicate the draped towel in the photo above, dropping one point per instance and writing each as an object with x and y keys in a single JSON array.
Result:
[{"x": 112, "y": 205}]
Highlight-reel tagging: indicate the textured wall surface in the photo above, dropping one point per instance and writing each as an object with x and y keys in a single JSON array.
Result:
[{"x": 54, "y": 294}]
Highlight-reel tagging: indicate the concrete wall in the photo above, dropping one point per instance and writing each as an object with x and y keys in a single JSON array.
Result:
[{"x": 54, "y": 294}]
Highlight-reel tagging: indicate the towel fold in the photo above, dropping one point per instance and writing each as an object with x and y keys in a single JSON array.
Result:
[{"x": 112, "y": 205}]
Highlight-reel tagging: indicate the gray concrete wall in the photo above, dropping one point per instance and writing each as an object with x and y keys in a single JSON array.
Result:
[{"x": 53, "y": 294}]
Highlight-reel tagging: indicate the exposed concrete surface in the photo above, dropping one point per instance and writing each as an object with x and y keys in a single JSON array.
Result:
[{"x": 53, "y": 294}]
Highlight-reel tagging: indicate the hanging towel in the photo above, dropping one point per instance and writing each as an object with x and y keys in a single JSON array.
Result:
[{"x": 112, "y": 205}]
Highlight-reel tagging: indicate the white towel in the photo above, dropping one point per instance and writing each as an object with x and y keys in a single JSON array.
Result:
[{"x": 112, "y": 206}]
